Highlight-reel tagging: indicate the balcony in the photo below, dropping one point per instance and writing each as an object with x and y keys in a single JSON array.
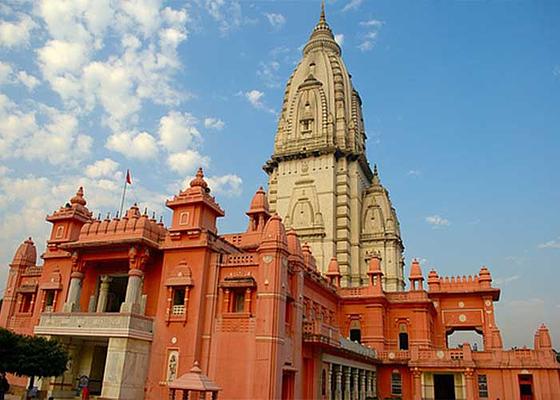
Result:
[{"x": 121, "y": 325}]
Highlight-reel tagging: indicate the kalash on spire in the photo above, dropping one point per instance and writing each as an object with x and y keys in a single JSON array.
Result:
[{"x": 320, "y": 181}]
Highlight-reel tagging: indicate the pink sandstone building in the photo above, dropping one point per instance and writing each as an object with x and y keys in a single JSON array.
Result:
[{"x": 309, "y": 302}]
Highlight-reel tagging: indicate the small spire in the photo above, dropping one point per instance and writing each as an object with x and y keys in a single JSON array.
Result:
[
  {"x": 323, "y": 18},
  {"x": 78, "y": 199},
  {"x": 199, "y": 180},
  {"x": 376, "y": 180}
]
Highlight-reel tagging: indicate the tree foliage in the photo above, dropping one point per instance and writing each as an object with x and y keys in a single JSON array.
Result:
[{"x": 31, "y": 355}]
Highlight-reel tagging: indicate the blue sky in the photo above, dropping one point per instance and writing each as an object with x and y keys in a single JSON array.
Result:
[{"x": 460, "y": 101}]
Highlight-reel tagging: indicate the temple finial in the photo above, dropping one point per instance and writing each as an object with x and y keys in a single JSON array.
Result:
[{"x": 323, "y": 18}]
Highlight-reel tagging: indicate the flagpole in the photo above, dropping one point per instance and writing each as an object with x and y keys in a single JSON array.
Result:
[{"x": 122, "y": 199}]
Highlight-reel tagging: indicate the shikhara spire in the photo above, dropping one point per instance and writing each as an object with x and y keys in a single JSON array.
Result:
[{"x": 319, "y": 175}]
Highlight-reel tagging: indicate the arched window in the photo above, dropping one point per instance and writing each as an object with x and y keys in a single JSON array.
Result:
[
  {"x": 355, "y": 331},
  {"x": 403, "y": 341}
]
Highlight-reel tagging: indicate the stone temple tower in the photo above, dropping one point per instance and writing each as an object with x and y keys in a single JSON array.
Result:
[{"x": 320, "y": 181}]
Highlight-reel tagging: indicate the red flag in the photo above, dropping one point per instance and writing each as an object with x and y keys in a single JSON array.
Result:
[{"x": 128, "y": 177}]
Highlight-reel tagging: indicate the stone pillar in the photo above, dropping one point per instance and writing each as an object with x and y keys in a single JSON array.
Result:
[
  {"x": 368, "y": 384},
  {"x": 132, "y": 303},
  {"x": 103, "y": 293},
  {"x": 73, "y": 299},
  {"x": 355, "y": 383},
  {"x": 338, "y": 387},
  {"x": 373, "y": 384},
  {"x": 347, "y": 375},
  {"x": 329, "y": 381},
  {"x": 417, "y": 384},
  {"x": 126, "y": 368},
  {"x": 247, "y": 305},
  {"x": 470, "y": 389},
  {"x": 362, "y": 384}
]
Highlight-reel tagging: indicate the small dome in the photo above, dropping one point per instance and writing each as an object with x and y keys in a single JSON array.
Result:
[
  {"x": 274, "y": 230},
  {"x": 415, "y": 270},
  {"x": 333, "y": 268},
  {"x": 199, "y": 181},
  {"x": 78, "y": 199},
  {"x": 294, "y": 245},
  {"x": 133, "y": 212},
  {"x": 433, "y": 276},
  {"x": 259, "y": 202},
  {"x": 484, "y": 275},
  {"x": 26, "y": 254}
]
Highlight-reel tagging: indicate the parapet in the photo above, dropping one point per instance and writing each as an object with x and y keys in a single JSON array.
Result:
[
  {"x": 132, "y": 226},
  {"x": 471, "y": 283}
]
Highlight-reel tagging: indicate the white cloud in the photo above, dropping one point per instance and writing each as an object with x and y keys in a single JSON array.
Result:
[
  {"x": 276, "y": 20},
  {"x": 102, "y": 168},
  {"x": 142, "y": 146},
  {"x": 229, "y": 185},
  {"x": 226, "y": 13},
  {"x": 437, "y": 221},
  {"x": 16, "y": 33},
  {"x": 506, "y": 280},
  {"x": 6, "y": 73},
  {"x": 414, "y": 172},
  {"x": 268, "y": 72},
  {"x": 178, "y": 132},
  {"x": 372, "y": 23},
  {"x": 54, "y": 136},
  {"x": 214, "y": 123},
  {"x": 368, "y": 38},
  {"x": 58, "y": 57},
  {"x": 352, "y": 5},
  {"x": 551, "y": 244},
  {"x": 29, "y": 81},
  {"x": 366, "y": 45},
  {"x": 255, "y": 97},
  {"x": 187, "y": 162},
  {"x": 339, "y": 38},
  {"x": 140, "y": 66}
]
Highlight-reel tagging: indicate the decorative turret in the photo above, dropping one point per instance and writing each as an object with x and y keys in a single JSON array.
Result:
[
  {"x": 375, "y": 274},
  {"x": 199, "y": 181},
  {"x": 333, "y": 273},
  {"x": 258, "y": 212},
  {"x": 416, "y": 278},
  {"x": 274, "y": 233},
  {"x": 308, "y": 257},
  {"x": 68, "y": 220},
  {"x": 294, "y": 245},
  {"x": 484, "y": 277},
  {"x": 24, "y": 259},
  {"x": 433, "y": 280},
  {"x": 542, "y": 338},
  {"x": 26, "y": 255},
  {"x": 194, "y": 209}
]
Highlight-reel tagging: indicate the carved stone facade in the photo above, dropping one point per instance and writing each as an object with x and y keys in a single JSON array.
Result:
[{"x": 320, "y": 181}]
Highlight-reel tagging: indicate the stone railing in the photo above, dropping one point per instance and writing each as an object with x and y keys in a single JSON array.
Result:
[
  {"x": 394, "y": 356},
  {"x": 240, "y": 259},
  {"x": 96, "y": 325},
  {"x": 319, "y": 333},
  {"x": 356, "y": 347}
]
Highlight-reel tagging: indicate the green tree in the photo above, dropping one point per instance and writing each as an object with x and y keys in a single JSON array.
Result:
[
  {"x": 31, "y": 356},
  {"x": 9, "y": 356}
]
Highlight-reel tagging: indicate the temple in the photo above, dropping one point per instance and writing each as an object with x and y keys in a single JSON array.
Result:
[{"x": 309, "y": 302}]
